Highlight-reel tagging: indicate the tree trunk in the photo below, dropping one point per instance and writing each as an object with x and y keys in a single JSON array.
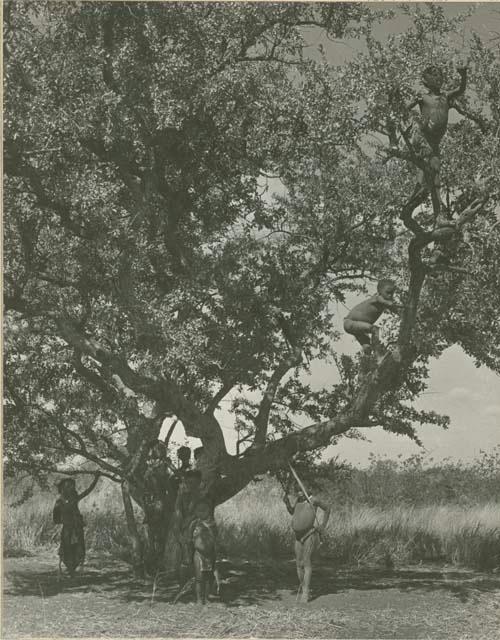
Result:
[
  {"x": 137, "y": 546},
  {"x": 171, "y": 559}
]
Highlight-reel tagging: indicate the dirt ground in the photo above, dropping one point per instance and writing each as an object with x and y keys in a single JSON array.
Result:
[{"x": 258, "y": 601}]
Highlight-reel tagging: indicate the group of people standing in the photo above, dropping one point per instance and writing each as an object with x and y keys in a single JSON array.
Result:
[
  {"x": 169, "y": 492},
  {"x": 187, "y": 495}
]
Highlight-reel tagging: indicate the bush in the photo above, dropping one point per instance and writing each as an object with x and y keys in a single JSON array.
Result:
[{"x": 394, "y": 512}]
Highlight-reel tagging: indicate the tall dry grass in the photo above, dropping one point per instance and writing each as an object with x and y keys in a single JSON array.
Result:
[
  {"x": 259, "y": 522},
  {"x": 28, "y": 527},
  {"x": 255, "y": 524}
]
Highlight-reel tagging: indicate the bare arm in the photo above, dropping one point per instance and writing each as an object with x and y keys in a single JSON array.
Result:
[
  {"x": 326, "y": 511},
  {"x": 413, "y": 102},
  {"x": 288, "y": 504},
  {"x": 387, "y": 303},
  {"x": 458, "y": 91},
  {"x": 90, "y": 488}
]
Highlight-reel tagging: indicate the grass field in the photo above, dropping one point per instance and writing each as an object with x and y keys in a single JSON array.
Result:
[
  {"x": 402, "y": 568},
  {"x": 255, "y": 523}
]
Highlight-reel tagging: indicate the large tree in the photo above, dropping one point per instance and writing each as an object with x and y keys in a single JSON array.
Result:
[{"x": 149, "y": 274}]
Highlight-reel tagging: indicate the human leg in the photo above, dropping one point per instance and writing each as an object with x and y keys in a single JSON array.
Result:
[
  {"x": 299, "y": 561},
  {"x": 187, "y": 558},
  {"x": 204, "y": 540},
  {"x": 420, "y": 149},
  {"x": 218, "y": 579},
  {"x": 69, "y": 549},
  {"x": 434, "y": 180},
  {"x": 199, "y": 578},
  {"x": 217, "y": 556},
  {"x": 309, "y": 547},
  {"x": 362, "y": 331},
  {"x": 207, "y": 583}
]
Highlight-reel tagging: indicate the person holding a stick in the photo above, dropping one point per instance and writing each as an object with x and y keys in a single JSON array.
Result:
[{"x": 307, "y": 530}]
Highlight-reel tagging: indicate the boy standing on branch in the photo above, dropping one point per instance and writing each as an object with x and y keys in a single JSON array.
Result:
[{"x": 430, "y": 128}]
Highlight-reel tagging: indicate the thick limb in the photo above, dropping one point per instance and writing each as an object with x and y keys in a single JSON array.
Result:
[{"x": 91, "y": 486}]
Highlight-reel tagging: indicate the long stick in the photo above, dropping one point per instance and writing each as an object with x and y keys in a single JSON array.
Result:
[{"x": 301, "y": 485}]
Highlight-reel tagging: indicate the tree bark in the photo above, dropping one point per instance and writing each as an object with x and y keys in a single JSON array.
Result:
[{"x": 137, "y": 546}]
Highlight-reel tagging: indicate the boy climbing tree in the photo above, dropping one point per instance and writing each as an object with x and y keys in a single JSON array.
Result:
[
  {"x": 429, "y": 129},
  {"x": 360, "y": 322}
]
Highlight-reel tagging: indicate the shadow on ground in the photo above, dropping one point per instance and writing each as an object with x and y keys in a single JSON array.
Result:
[{"x": 245, "y": 583}]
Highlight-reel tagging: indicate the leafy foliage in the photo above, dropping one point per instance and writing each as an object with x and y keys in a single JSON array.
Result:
[{"x": 149, "y": 270}]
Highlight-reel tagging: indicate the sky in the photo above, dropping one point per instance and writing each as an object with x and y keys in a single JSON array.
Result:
[{"x": 470, "y": 396}]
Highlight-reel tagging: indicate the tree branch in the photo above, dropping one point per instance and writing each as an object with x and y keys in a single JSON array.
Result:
[
  {"x": 221, "y": 393},
  {"x": 170, "y": 432},
  {"x": 14, "y": 166},
  {"x": 163, "y": 391},
  {"x": 65, "y": 433},
  {"x": 482, "y": 123},
  {"x": 262, "y": 418}
]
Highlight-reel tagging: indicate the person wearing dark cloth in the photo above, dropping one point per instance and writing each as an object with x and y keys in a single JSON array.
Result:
[
  {"x": 157, "y": 494},
  {"x": 184, "y": 455},
  {"x": 67, "y": 513},
  {"x": 307, "y": 532}
]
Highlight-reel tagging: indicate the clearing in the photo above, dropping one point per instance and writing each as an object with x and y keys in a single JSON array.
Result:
[{"x": 258, "y": 601}]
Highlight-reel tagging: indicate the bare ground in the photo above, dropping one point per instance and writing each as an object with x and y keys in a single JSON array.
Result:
[{"x": 258, "y": 601}]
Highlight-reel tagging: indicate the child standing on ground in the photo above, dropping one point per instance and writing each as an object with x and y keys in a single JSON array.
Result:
[{"x": 307, "y": 532}]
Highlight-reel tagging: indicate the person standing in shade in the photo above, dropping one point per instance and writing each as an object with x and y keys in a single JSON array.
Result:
[{"x": 67, "y": 513}]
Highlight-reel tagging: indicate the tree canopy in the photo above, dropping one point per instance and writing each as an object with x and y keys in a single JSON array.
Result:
[{"x": 148, "y": 272}]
